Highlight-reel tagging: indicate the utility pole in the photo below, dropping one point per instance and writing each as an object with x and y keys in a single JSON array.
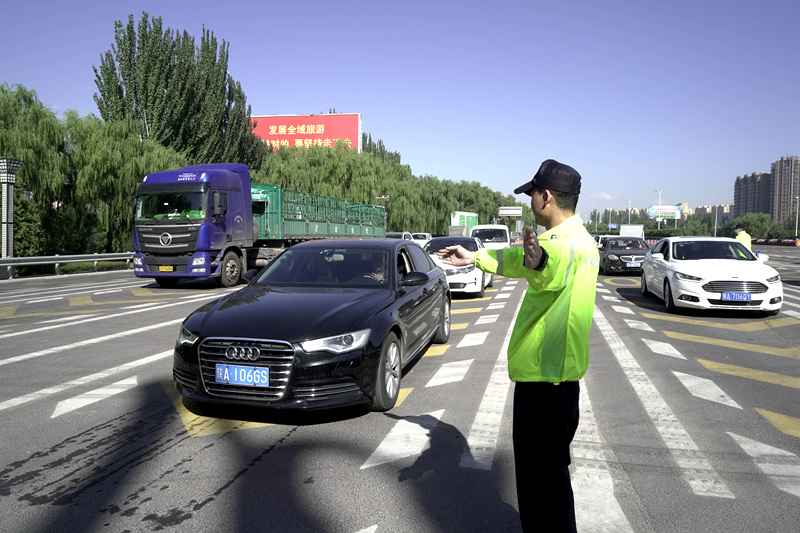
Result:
[{"x": 659, "y": 208}]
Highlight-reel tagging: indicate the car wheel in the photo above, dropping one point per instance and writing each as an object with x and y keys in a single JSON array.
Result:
[
  {"x": 387, "y": 375},
  {"x": 443, "y": 332},
  {"x": 167, "y": 282},
  {"x": 491, "y": 280},
  {"x": 231, "y": 270},
  {"x": 645, "y": 290},
  {"x": 668, "y": 302},
  {"x": 482, "y": 290}
]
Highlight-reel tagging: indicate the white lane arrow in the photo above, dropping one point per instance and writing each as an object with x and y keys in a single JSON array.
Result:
[{"x": 91, "y": 397}]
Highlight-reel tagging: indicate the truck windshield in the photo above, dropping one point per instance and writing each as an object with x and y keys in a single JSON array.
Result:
[{"x": 171, "y": 206}]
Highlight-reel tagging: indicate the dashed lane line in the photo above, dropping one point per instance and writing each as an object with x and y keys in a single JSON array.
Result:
[
  {"x": 751, "y": 373},
  {"x": 49, "y": 391},
  {"x": 780, "y": 466},
  {"x": 705, "y": 389},
  {"x": 450, "y": 373},
  {"x": 408, "y": 437},
  {"x": 88, "y": 398},
  {"x": 767, "y": 323},
  {"x": 785, "y": 423}
]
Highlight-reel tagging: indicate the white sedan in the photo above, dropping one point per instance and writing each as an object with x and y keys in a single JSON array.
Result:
[
  {"x": 710, "y": 273},
  {"x": 465, "y": 279}
]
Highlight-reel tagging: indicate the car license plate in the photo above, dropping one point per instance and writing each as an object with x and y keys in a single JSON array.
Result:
[
  {"x": 242, "y": 375},
  {"x": 736, "y": 296},
  {"x": 633, "y": 265},
  {"x": 165, "y": 268}
]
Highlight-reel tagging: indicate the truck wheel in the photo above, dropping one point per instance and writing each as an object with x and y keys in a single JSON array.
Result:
[{"x": 231, "y": 270}]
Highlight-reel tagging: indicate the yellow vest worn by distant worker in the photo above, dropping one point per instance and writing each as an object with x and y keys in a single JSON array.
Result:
[
  {"x": 744, "y": 238},
  {"x": 550, "y": 340}
]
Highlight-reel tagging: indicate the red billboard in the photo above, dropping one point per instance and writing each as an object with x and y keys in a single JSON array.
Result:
[{"x": 308, "y": 130}]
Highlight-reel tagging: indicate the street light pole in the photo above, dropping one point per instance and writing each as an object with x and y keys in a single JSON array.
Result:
[
  {"x": 8, "y": 176},
  {"x": 796, "y": 215},
  {"x": 715, "y": 219},
  {"x": 658, "y": 217},
  {"x": 629, "y": 211}
]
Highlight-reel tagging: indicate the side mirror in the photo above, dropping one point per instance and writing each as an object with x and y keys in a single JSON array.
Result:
[
  {"x": 414, "y": 279},
  {"x": 658, "y": 256},
  {"x": 220, "y": 204}
]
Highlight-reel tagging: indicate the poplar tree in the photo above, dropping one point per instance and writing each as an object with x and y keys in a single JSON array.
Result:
[{"x": 180, "y": 94}]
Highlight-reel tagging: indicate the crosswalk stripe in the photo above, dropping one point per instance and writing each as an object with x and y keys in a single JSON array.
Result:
[
  {"x": 408, "y": 437},
  {"x": 780, "y": 466},
  {"x": 705, "y": 389},
  {"x": 697, "y": 471},
  {"x": 450, "y": 373},
  {"x": 663, "y": 348},
  {"x": 638, "y": 324},
  {"x": 473, "y": 339}
]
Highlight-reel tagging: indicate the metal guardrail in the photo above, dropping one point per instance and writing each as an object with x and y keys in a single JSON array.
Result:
[{"x": 7, "y": 264}]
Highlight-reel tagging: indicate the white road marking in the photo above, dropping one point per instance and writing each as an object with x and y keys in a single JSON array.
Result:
[
  {"x": 591, "y": 480},
  {"x": 113, "y": 336},
  {"x": 508, "y": 287},
  {"x": 105, "y": 317},
  {"x": 705, "y": 389},
  {"x": 502, "y": 295},
  {"x": 610, "y": 298},
  {"x": 483, "y": 435},
  {"x": 638, "y": 324},
  {"x": 107, "y": 292},
  {"x": 663, "y": 348},
  {"x": 603, "y": 290},
  {"x": 493, "y": 306},
  {"x": 66, "y": 318},
  {"x": 487, "y": 319},
  {"x": 83, "y": 381},
  {"x": 87, "y": 398},
  {"x": 621, "y": 309},
  {"x": 473, "y": 339},
  {"x": 408, "y": 437},
  {"x": 44, "y": 300},
  {"x": 450, "y": 373},
  {"x": 781, "y": 467},
  {"x": 697, "y": 471}
]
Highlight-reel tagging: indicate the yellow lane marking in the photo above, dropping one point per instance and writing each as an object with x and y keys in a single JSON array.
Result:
[
  {"x": 623, "y": 282},
  {"x": 468, "y": 310},
  {"x": 751, "y": 373},
  {"x": 199, "y": 426},
  {"x": 439, "y": 349},
  {"x": 8, "y": 326},
  {"x": 402, "y": 395},
  {"x": 484, "y": 299},
  {"x": 8, "y": 311},
  {"x": 461, "y": 325},
  {"x": 60, "y": 313},
  {"x": 161, "y": 292},
  {"x": 747, "y": 326},
  {"x": 769, "y": 350},
  {"x": 79, "y": 301},
  {"x": 785, "y": 424}
]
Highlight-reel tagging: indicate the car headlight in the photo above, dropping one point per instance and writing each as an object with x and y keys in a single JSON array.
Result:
[
  {"x": 686, "y": 277},
  {"x": 338, "y": 343},
  {"x": 613, "y": 257},
  {"x": 774, "y": 279},
  {"x": 186, "y": 337}
]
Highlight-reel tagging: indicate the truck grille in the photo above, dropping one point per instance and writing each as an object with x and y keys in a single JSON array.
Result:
[
  {"x": 169, "y": 239},
  {"x": 277, "y": 356},
  {"x": 753, "y": 287}
]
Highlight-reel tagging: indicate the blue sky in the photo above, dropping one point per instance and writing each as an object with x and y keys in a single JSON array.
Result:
[{"x": 638, "y": 96}]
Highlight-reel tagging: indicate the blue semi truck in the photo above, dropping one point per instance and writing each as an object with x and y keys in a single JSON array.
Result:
[{"x": 209, "y": 221}]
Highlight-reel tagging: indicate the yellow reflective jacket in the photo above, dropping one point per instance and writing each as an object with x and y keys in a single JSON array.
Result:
[
  {"x": 744, "y": 238},
  {"x": 550, "y": 340}
]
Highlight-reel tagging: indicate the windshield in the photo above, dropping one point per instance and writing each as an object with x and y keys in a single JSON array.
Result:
[
  {"x": 627, "y": 244},
  {"x": 171, "y": 206},
  {"x": 338, "y": 267},
  {"x": 490, "y": 235},
  {"x": 692, "y": 250},
  {"x": 434, "y": 245}
]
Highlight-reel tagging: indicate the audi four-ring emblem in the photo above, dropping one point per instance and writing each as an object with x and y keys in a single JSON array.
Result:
[{"x": 241, "y": 353}]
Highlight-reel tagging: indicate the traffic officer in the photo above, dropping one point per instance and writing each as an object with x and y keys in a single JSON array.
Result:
[
  {"x": 742, "y": 236},
  {"x": 549, "y": 347}
]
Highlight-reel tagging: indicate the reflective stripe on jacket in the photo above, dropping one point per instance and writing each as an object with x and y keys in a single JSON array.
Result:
[{"x": 550, "y": 340}]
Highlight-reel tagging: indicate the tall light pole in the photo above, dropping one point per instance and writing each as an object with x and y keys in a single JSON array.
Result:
[
  {"x": 629, "y": 211},
  {"x": 796, "y": 215},
  {"x": 8, "y": 176},
  {"x": 715, "y": 219},
  {"x": 659, "y": 208}
]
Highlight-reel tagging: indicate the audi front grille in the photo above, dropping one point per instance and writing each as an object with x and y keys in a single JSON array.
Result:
[{"x": 277, "y": 356}]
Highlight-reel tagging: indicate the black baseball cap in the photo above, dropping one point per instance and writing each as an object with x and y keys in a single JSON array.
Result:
[{"x": 554, "y": 176}]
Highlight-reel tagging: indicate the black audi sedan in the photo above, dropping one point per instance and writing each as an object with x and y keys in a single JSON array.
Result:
[{"x": 326, "y": 324}]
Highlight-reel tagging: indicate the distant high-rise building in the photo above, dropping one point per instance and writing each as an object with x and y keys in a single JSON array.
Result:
[
  {"x": 752, "y": 194},
  {"x": 785, "y": 186}
]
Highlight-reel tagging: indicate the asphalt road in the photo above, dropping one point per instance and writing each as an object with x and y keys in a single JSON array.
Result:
[{"x": 689, "y": 422}]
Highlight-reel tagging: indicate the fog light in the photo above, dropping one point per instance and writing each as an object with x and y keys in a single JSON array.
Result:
[
  {"x": 776, "y": 300},
  {"x": 688, "y": 298}
]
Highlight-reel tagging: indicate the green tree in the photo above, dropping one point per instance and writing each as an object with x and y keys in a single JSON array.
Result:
[{"x": 181, "y": 95}]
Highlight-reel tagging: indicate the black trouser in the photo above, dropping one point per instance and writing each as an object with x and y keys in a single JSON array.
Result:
[{"x": 545, "y": 420}]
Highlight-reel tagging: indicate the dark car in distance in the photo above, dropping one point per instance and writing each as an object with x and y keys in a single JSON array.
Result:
[
  {"x": 622, "y": 254},
  {"x": 326, "y": 324}
]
